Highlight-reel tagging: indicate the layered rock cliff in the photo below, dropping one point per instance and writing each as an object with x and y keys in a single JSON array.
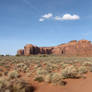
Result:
[{"x": 73, "y": 48}]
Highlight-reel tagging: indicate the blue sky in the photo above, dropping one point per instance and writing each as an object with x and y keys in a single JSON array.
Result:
[{"x": 43, "y": 22}]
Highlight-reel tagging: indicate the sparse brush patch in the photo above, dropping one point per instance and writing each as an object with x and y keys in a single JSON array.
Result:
[
  {"x": 54, "y": 78},
  {"x": 41, "y": 71},
  {"x": 64, "y": 65},
  {"x": 48, "y": 78},
  {"x": 13, "y": 74},
  {"x": 15, "y": 86},
  {"x": 17, "y": 55},
  {"x": 44, "y": 68},
  {"x": 82, "y": 69},
  {"x": 39, "y": 79},
  {"x": 70, "y": 72},
  {"x": 87, "y": 64}
]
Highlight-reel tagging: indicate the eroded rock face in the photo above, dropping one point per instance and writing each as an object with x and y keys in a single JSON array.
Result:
[
  {"x": 20, "y": 52},
  {"x": 46, "y": 50},
  {"x": 31, "y": 49},
  {"x": 73, "y": 48}
]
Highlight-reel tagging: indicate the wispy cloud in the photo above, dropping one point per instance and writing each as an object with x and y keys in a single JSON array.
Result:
[
  {"x": 60, "y": 18},
  {"x": 46, "y": 16},
  {"x": 41, "y": 19}
]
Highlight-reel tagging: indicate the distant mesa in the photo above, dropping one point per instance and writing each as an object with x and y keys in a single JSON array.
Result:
[{"x": 72, "y": 48}]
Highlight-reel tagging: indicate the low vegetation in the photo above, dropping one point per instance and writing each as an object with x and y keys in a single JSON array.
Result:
[{"x": 16, "y": 71}]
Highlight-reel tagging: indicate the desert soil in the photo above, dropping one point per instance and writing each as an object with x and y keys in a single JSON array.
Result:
[{"x": 73, "y": 85}]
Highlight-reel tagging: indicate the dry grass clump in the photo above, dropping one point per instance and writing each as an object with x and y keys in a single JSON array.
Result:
[
  {"x": 22, "y": 67},
  {"x": 14, "y": 86},
  {"x": 39, "y": 78},
  {"x": 70, "y": 72},
  {"x": 87, "y": 64},
  {"x": 82, "y": 69},
  {"x": 64, "y": 65},
  {"x": 13, "y": 74},
  {"x": 54, "y": 78},
  {"x": 41, "y": 71}
]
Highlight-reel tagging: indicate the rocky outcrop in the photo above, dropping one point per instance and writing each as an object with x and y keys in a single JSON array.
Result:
[
  {"x": 20, "y": 52},
  {"x": 73, "y": 48}
]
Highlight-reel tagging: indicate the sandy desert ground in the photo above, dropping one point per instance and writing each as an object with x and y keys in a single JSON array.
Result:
[{"x": 45, "y": 73}]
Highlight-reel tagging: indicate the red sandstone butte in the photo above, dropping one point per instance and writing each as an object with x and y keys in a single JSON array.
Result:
[{"x": 73, "y": 48}]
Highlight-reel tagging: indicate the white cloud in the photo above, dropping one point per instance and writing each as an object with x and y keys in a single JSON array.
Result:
[
  {"x": 59, "y": 18},
  {"x": 41, "y": 19},
  {"x": 68, "y": 17},
  {"x": 47, "y": 16}
]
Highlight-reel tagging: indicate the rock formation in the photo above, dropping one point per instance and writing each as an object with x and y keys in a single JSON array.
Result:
[
  {"x": 73, "y": 48},
  {"x": 20, "y": 52}
]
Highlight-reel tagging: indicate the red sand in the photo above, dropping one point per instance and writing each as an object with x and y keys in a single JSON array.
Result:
[{"x": 73, "y": 85}]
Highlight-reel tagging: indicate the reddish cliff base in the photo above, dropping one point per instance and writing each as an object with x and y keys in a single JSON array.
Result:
[{"x": 73, "y": 48}]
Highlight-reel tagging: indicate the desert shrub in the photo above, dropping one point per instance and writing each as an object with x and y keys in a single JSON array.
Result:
[
  {"x": 37, "y": 66},
  {"x": 1, "y": 55},
  {"x": 87, "y": 64},
  {"x": 48, "y": 78},
  {"x": 17, "y": 55},
  {"x": 39, "y": 79},
  {"x": 14, "y": 86},
  {"x": 13, "y": 74},
  {"x": 22, "y": 86},
  {"x": 22, "y": 67},
  {"x": 64, "y": 66},
  {"x": 82, "y": 69},
  {"x": 41, "y": 71},
  {"x": 70, "y": 72},
  {"x": 7, "y": 55},
  {"x": 3, "y": 83},
  {"x": 54, "y": 78}
]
